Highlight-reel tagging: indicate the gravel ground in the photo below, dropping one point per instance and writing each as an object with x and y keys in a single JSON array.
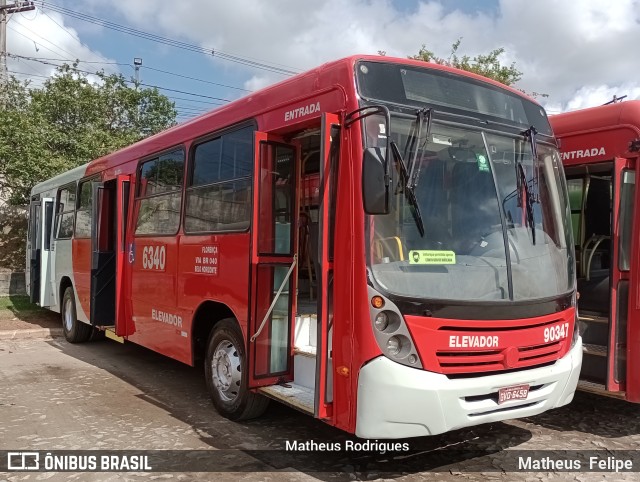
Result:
[{"x": 107, "y": 396}]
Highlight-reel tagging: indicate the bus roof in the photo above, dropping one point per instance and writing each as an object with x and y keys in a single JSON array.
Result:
[
  {"x": 60, "y": 180},
  {"x": 598, "y": 133},
  {"x": 337, "y": 75}
]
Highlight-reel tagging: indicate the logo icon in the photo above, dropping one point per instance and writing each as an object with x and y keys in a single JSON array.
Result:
[{"x": 23, "y": 461}]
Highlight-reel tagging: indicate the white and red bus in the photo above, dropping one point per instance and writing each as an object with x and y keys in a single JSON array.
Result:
[
  {"x": 600, "y": 148},
  {"x": 381, "y": 243}
]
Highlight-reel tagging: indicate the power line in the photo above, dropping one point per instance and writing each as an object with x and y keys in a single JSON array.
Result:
[
  {"x": 171, "y": 42},
  {"x": 130, "y": 82},
  {"x": 46, "y": 40},
  {"x": 129, "y": 65},
  {"x": 194, "y": 78}
]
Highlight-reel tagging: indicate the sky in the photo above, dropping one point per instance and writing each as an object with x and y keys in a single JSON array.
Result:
[{"x": 579, "y": 52}]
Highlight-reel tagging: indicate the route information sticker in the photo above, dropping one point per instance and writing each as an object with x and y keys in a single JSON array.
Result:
[{"x": 428, "y": 256}]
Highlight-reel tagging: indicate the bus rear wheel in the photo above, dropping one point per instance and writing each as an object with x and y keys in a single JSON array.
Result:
[
  {"x": 227, "y": 374},
  {"x": 74, "y": 331}
]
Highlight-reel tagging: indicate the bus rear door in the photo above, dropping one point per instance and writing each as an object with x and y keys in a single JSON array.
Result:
[
  {"x": 110, "y": 207},
  {"x": 40, "y": 248}
]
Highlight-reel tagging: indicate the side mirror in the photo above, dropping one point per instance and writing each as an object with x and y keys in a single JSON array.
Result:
[
  {"x": 376, "y": 175},
  {"x": 375, "y": 187}
]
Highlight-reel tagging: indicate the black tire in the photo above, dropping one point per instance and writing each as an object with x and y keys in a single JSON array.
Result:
[
  {"x": 228, "y": 386},
  {"x": 74, "y": 331}
]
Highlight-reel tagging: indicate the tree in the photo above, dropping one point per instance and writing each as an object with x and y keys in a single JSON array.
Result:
[
  {"x": 68, "y": 122},
  {"x": 486, "y": 65}
]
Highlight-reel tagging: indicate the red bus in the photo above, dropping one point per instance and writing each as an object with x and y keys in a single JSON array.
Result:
[
  {"x": 381, "y": 243},
  {"x": 600, "y": 148}
]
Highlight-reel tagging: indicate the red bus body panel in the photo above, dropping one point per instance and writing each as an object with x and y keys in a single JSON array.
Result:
[{"x": 595, "y": 135}]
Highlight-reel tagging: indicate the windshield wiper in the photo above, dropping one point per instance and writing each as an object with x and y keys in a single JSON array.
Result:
[
  {"x": 410, "y": 174},
  {"x": 409, "y": 194},
  {"x": 523, "y": 185},
  {"x": 531, "y": 133},
  {"x": 423, "y": 120}
]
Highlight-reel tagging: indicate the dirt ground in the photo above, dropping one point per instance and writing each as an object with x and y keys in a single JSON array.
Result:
[{"x": 17, "y": 313}]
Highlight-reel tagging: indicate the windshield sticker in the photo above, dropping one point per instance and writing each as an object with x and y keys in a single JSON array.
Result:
[
  {"x": 483, "y": 164},
  {"x": 429, "y": 256},
  {"x": 441, "y": 140}
]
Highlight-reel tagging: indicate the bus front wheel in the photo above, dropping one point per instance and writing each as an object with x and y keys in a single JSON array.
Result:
[
  {"x": 74, "y": 331},
  {"x": 227, "y": 374}
]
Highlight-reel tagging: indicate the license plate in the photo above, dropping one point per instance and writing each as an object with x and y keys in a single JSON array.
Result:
[{"x": 518, "y": 392}]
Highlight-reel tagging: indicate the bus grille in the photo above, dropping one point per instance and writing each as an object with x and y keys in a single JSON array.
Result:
[{"x": 455, "y": 361}]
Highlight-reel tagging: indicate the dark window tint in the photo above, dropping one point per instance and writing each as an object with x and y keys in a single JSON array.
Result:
[
  {"x": 223, "y": 158},
  {"x": 626, "y": 219},
  {"x": 219, "y": 198},
  {"x": 83, "y": 213},
  {"x": 160, "y": 194},
  {"x": 65, "y": 212},
  {"x": 163, "y": 174}
]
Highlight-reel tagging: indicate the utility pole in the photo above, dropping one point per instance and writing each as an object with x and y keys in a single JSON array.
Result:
[{"x": 5, "y": 10}]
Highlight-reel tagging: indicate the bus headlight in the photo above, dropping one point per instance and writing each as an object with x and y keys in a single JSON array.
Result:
[
  {"x": 391, "y": 332},
  {"x": 381, "y": 321},
  {"x": 394, "y": 345}
]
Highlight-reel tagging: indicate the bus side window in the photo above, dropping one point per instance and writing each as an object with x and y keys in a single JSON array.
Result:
[
  {"x": 219, "y": 192},
  {"x": 66, "y": 202},
  {"x": 159, "y": 194},
  {"x": 83, "y": 213}
]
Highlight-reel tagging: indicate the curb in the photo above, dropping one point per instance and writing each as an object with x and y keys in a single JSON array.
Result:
[{"x": 30, "y": 334}]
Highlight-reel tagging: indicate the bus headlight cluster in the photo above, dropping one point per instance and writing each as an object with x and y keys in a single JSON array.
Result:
[
  {"x": 391, "y": 333},
  {"x": 577, "y": 324}
]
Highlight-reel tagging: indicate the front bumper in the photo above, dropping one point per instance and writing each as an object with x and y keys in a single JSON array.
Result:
[{"x": 396, "y": 401}]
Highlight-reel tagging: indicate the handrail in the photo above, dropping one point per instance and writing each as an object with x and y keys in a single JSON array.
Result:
[
  {"x": 601, "y": 238},
  {"x": 275, "y": 299},
  {"x": 383, "y": 243}
]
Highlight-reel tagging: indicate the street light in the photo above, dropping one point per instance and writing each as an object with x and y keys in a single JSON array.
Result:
[{"x": 137, "y": 62}]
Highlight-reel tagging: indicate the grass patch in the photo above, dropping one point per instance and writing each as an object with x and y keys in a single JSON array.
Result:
[{"x": 18, "y": 305}]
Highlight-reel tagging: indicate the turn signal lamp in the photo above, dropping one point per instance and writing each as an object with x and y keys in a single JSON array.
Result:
[{"x": 377, "y": 302}]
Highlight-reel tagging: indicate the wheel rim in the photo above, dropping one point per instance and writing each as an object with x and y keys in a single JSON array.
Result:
[
  {"x": 226, "y": 370},
  {"x": 68, "y": 315}
]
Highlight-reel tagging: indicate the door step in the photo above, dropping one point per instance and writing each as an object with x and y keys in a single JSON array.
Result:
[
  {"x": 599, "y": 389},
  {"x": 590, "y": 349},
  {"x": 110, "y": 332},
  {"x": 593, "y": 318},
  {"x": 296, "y": 396}
]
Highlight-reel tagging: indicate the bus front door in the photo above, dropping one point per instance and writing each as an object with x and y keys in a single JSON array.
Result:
[
  {"x": 621, "y": 282},
  {"x": 628, "y": 288},
  {"x": 274, "y": 262}
]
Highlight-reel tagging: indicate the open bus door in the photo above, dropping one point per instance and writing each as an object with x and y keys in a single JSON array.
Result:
[
  {"x": 103, "y": 254},
  {"x": 630, "y": 259},
  {"x": 273, "y": 262},
  {"x": 46, "y": 291},
  {"x": 39, "y": 247},
  {"x": 621, "y": 281},
  {"x": 329, "y": 154},
  {"x": 122, "y": 210},
  {"x": 34, "y": 247}
]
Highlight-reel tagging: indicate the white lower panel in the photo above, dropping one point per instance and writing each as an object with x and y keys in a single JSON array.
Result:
[{"x": 396, "y": 401}]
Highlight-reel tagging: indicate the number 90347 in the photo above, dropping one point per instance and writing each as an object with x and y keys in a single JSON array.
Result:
[{"x": 556, "y": 332}]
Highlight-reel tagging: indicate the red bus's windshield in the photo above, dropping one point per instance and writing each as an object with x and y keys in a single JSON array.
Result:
[{"x": 495, "y": 223}]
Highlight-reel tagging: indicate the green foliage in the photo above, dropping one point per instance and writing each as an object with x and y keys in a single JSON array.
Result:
[
  {"x": 486, "y": 65},
  {"x": 68, "y": 122}
]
